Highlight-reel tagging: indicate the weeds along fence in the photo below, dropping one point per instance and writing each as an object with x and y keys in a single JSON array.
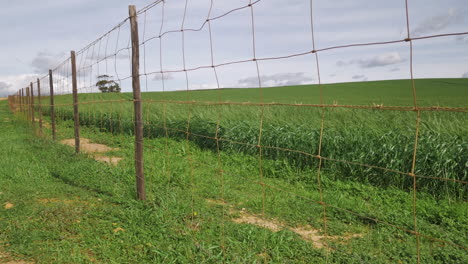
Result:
[{"x": 291, "y": 147}]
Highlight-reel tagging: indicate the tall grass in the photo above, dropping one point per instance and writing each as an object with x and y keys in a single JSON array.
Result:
[{"x": 382, "y": 139}]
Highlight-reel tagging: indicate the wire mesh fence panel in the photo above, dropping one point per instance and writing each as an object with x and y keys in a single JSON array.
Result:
[{"x": 251, "y": 150}]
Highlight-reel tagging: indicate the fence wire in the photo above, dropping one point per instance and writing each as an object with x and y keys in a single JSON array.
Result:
[{"x": 104, "y": 78}]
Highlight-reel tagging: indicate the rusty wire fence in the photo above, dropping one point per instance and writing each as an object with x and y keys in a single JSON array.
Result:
[{"x": 98, "y": 90}]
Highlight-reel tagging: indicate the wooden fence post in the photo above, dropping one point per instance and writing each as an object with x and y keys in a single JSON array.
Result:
[
  {"x": 39, "y": 105},
  {"x": 52, "y": 109},
  {"x": 16, "y": 101},
  {"x": 32, "y": 104},
  {"x": 140, "y": 177},
  {"x": 76, "y": 115},
  {"x": 21, "y": 94},
  {"x": 23, "y": 101},
  {"x": 28, "y": 103}
]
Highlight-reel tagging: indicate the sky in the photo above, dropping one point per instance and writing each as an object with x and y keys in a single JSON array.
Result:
[{"x": 38, "y": 35}]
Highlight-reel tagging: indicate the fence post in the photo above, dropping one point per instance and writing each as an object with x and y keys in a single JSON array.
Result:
[
  {"x": 39, "y": 105},
  {"x": 52, "y": 109},
  {"x": 76, "y": 115},
  {"x": 28, "y": 103},
  {"x": 15, "y": 101},
  {"x": 21, "y": 100},
  {"x": 32, "y": 104},
  {"x": 140, "y": 177}
]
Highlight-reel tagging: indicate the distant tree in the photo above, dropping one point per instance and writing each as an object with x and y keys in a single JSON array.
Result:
[{"x": 105, "y": 84}]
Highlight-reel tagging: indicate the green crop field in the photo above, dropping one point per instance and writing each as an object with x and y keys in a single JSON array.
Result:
[
  {"x": 202, "y": 191},
  {"x": 380, "y": 138}
]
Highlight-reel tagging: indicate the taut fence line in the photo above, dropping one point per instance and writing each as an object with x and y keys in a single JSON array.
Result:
[{"x": 75, "y": 76}]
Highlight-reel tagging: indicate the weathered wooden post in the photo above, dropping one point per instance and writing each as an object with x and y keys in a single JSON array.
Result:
[
  {"x": 28, "y": 104},
  {"x": 76, "y": 115},
  {"x": 140, "y": 177},
  {"x": 32, "y": 103},
  {"x": 21, "y": 93},
  {"x": 52, "y": 108},
  {"x": 39, "y": 105}
]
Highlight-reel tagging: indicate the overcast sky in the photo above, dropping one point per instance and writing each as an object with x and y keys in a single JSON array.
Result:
[{"x": 38, "y": 35}]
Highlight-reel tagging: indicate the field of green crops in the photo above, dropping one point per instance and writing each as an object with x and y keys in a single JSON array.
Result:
[{"x": 378, "y": 138}]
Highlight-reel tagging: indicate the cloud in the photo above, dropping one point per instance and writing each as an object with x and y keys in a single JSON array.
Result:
[
  {"x": 159, "y": 76},
  {"x": 461, "y": 39},
  {"x": 5, "y": 89},
  {"x": 12, "y": 83},
  {"x": 465, "y": 75},
  {"x": 355, "y": 77},
  {"x": 279, "y": 79},
  {"x": 45, "y": 60},
  {"x": 395, "y": 69},
  {"x": 438, "y": 22},
  {"x": 359, "y": 77},
  {"x": 377, "y": 61}
]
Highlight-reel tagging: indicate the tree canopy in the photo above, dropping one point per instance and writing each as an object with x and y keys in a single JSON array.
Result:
[{"x": 106, "y": 84}]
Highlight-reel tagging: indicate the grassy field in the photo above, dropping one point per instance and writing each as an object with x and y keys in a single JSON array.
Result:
[{"x": 206, "y": 206}]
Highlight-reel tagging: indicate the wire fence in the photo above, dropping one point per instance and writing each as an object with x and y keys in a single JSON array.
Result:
[{"x": 297, "y": 150}]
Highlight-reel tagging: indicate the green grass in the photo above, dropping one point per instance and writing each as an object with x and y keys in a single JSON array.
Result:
[
  {"x": 378, "y": 138},
  {"x": 178, "y": 225}
]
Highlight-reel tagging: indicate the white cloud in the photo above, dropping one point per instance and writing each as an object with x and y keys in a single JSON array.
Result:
[
  {"x": 45, "y": 60},
  {"x": 279, "y": 79},
  {"x": 465, "y": 75},
  {"x": 395, "y": 69},
  {"x": 438, "y": 22},
  {"x": 159, "y": 76},
  {"x": 5, "y": 89},
  {"x": 377, "y": 61},
  {"x": 12, "y": 83}
]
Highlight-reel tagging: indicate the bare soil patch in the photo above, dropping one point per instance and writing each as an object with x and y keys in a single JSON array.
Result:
[
  {"x": 306, "y": 232},
  {"x": 87, "y": 146},
  {"x": 8, "y": 206},
  {"x": 95, "y": 150}
]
